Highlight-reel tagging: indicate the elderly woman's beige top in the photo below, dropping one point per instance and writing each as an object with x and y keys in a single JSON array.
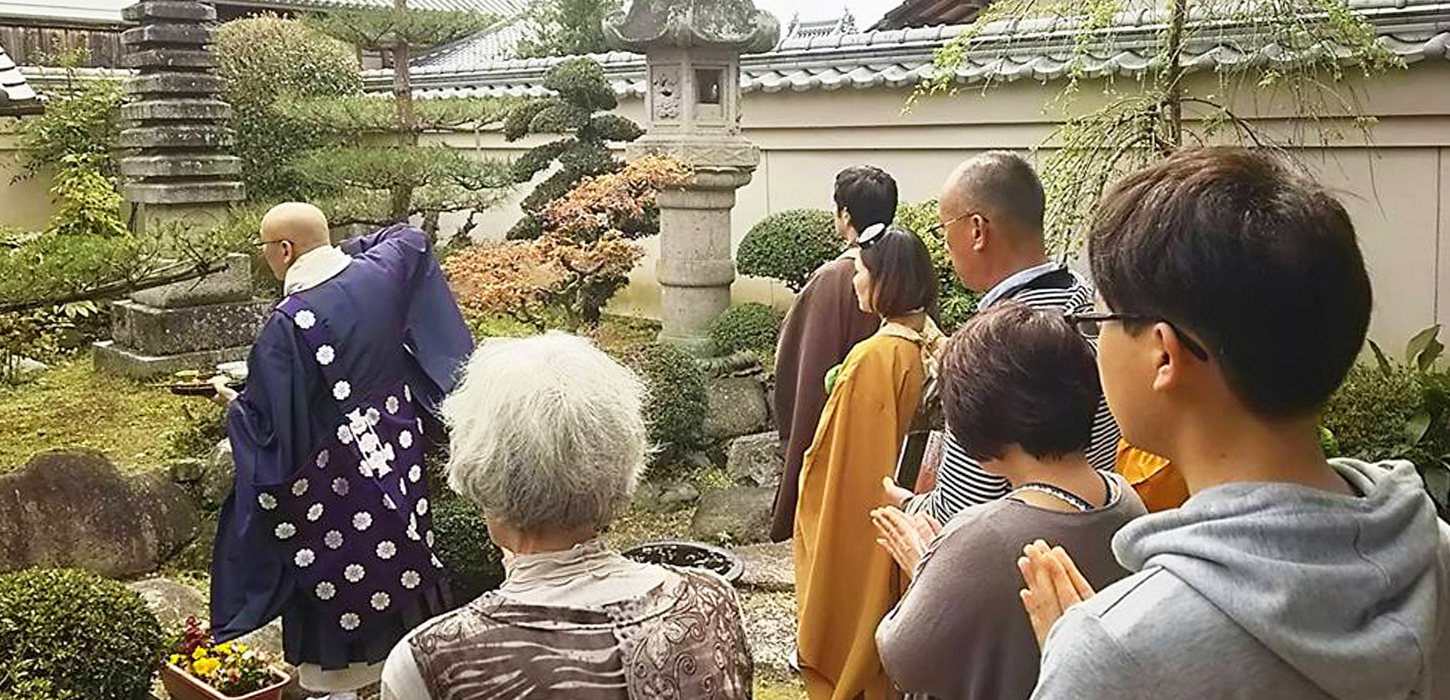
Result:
[{"x": 586, "y": 623}]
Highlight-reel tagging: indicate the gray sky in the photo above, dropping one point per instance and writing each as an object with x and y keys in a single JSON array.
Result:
[{"x": 866, "y": 11}]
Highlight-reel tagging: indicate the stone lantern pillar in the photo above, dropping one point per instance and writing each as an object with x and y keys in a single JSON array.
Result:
[
  {"x": 177, "y": 170},
  {"x": 692, "y": 51}
]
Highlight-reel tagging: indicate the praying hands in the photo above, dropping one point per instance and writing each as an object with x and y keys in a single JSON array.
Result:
[
  {"x": 904, "y": 536},
  {"x": 1054, "y": 584}
]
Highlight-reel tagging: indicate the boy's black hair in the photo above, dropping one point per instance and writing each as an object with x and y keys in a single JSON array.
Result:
[
  {"x": 1256, "y": 261},
  {"x": 869, "y": 195}
]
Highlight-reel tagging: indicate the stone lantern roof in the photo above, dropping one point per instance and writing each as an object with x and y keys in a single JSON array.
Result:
[
  {"x": 16, "y": 97},
  {"x": 730, "y": 25}
]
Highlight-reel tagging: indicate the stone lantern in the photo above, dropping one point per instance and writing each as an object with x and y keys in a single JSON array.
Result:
[{"x": 692, "y": 52}]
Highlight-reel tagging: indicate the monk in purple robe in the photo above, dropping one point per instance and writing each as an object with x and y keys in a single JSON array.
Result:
[{"x": 328, "y": 522}]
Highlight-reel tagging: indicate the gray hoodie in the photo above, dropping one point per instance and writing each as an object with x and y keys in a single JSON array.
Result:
[{"x": 1272, "y": 591}]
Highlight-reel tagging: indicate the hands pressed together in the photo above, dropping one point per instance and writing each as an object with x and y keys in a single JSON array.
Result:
[
  {"x": 1054, "y": 584},
  {"x": 1053, "y": 580}
]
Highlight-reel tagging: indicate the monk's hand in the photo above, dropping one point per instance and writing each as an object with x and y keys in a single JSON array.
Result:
[
  {"x": 1054, "y": 584},
  {"x": 895, "y": 495},
  {"x": 224, "y": 394},
  {"x": 902, "y": 536}
]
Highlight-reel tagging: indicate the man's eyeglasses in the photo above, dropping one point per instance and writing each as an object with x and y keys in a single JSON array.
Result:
[
  {"x": 259, "y": 243},
  {"x": 936, "y": 228},
  {"x": 1090, "y": 325}
]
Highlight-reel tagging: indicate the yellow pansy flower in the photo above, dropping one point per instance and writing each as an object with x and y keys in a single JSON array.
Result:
[
  {"x": 224, "y": 649},
  {"x": 176, "y": 659},
  {"x": 206, "y": 667},
  {"x": 200, "y": 653}
]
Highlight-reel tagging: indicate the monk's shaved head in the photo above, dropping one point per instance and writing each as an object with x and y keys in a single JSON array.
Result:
[
  {"x": 301, "y": 223},
  {"x": 1001, "y": 186}
]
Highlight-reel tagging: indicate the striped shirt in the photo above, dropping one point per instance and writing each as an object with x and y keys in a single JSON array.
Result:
[{"x": 960, "y": 481}]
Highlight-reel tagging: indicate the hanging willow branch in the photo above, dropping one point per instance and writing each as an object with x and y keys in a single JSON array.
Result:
[{"x": 1302, "y": 53}]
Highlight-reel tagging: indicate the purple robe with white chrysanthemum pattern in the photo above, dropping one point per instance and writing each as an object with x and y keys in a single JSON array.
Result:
[{"x": 328, "y": 523}]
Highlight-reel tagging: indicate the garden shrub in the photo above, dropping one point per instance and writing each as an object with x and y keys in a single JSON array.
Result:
[
  {"x": 751, "y": 326},
  {"x": 1394, "y": 411},
  {"x": 87, "y": 636},
  {"x": 676, "y": 401},
  {"x": 544, "y": 282},
  {"x": 584, "y": 258},
  {"x": 473, "y": 562},
  {"x": 76, "y": 136},
  {"x": 262, "y": 60},
  {"x": 789, "y": 245},
  {"x": 957, "y": 302}
]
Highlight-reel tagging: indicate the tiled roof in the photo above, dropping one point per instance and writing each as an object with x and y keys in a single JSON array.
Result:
[
  {"x": 805, "y": 29},
  {"x": 495, "y": 7},
  {"x": 1007, "y": 50},
  {"x": 929, "y": 13},
  {"x": 496, "y": 43},
  {"x": 16, "y": 95},
  {"x": 65, "y": 11}
]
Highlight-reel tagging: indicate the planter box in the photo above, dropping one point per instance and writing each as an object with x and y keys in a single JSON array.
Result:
[{"x": 181, "y": 685}]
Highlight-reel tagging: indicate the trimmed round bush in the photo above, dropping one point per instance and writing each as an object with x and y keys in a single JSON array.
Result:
[
  {"x": 474, "y": 564},
  {"x": 265, "y": 59},
  {"x": 789, "y": 246},
  {"x": 751, "y": 326},
  {"x": 676, "y": 402},
  {"x": 957, "y": 302},
  {"x": 82, "y": 635}
]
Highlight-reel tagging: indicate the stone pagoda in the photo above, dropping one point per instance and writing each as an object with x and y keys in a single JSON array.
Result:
[
  {"x": 177, "y": 170},
  {"x": 692, "y": 53}
]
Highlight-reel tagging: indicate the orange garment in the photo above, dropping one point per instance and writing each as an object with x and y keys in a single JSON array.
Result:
[
  {"x": 1156, "y": 480},
  {"x": 845, "y": 582}
]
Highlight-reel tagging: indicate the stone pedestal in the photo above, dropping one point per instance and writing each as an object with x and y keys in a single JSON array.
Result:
[
  {"x": 695, "y": 267},
  {"x": 692, "y": 55},
  {"x": 188, "y": 325}
]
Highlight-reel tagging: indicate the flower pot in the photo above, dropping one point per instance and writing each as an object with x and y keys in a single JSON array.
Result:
[{"x": 181, "y": 685}]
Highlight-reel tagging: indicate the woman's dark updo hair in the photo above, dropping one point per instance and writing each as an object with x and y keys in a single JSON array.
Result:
[{"x": 902, "y": 277}]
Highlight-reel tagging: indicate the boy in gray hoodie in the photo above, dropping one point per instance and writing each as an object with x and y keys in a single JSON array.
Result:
[{"x": 1232, "y": 301}]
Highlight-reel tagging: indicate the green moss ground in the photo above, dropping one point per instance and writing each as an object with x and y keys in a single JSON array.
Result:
[{"x": 71, "y": 406}]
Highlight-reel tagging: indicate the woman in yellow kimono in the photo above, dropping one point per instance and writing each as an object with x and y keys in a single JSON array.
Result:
[{"x": 845, "y": 586}]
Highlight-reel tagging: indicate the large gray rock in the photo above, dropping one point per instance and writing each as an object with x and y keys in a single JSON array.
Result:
[
  {"x": 172, "y": 601},
  {"x": 755, "y": 460},
  {"x": 221, "y": 470},
  {"x": 768, "y": 567},
  {"x": 666, "y": 497},
  {"x": 24, "y": 368},
  {"x": 739, "y": 515},
  {"x": 111, "y": 358},
  {"x": 74, "y": 509},
  {"x": 736, "y": 407}
]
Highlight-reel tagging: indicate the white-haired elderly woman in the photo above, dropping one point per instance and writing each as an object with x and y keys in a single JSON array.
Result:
[{"x": 548, "y": 438}]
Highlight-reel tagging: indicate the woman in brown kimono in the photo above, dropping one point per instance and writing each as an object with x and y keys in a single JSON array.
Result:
[{"x": 844, "y": 588}]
